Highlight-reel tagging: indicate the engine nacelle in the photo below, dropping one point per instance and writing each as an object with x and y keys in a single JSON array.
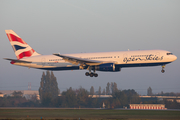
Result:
[{"x": 107, "y": 67}]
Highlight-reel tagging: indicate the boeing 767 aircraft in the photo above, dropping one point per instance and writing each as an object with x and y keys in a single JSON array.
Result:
[{"x": 102, "y": 61}]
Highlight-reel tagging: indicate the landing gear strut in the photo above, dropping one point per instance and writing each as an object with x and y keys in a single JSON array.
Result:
[
  {"x": 163, "y": 69},
  {"x": 91, "y": 74}
]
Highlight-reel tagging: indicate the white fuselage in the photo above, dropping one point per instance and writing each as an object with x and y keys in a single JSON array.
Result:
[
  {"x": 102, "y": 61},
  {"x": 120, "y": 59}
]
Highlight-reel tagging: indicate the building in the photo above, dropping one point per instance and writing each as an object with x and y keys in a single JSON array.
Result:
[
  {"x": 1, "y": 95},
  {"x": 148, "y": 106},
  {"x": 28, "y": 94},
  {"x": 100, "y": 96},
  {"x": 155, "y": 98}
]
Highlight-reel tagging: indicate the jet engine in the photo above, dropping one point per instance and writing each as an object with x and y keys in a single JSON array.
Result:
[{"x": 108, "y": 67}]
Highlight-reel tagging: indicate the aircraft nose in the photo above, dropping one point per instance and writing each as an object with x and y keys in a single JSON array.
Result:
[{"x": 174, "y": 57}]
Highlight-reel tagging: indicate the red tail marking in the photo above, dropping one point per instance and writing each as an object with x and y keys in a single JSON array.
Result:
[
  {"x": 12, "y": 62},
  {"x": 25, "y": 54},
  {"x": 15, "y": 38}
]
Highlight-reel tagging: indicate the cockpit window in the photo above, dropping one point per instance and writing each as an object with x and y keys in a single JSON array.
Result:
[{"x": 169, "y": 54}]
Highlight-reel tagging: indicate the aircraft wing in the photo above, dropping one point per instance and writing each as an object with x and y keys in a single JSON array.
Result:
[
  {"x": 16, "y": 60},
  {"x": 76, "y": 60}
]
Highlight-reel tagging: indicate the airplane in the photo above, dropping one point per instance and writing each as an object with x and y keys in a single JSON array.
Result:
[{"x": 100, "y": 61}]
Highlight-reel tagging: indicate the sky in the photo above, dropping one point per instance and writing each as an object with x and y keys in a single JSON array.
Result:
[{"x": 78, "y": 26}]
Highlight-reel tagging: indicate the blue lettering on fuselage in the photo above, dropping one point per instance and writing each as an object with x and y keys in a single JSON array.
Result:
[{"x": 146, "y": 58}]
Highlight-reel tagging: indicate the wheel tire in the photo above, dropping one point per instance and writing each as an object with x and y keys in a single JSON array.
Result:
[
  {"x": 95, "y": 75},
  {"x": 162, "y": 71},
  {"x": 91, "y": 75},
  {"x": 87, "y": 74}
]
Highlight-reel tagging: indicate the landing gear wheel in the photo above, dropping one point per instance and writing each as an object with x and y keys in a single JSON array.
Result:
[
  {"x": 95, "y": 75},
  {"x": 87, "y": 74},
  {"x": 91, "y": 74},
  {"x": 163, "y": 67},
  {"x": 162, "y": 71}
]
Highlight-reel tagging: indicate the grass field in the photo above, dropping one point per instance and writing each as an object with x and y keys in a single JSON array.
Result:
[{"x": 88, "y": 114}]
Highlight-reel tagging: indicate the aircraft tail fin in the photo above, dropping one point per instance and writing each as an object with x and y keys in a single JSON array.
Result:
[{"x": 20, "y": 47}]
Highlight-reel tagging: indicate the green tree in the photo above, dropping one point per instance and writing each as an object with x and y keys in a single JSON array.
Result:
[
  {"x": 108, "y": 89},
  {"x": 121, "y": 97},
  {"x": 93, "y": 103},
  {"x": 82, "y": 97},
  {"x": 124, "y": 98},
  {"x": 172, "y": 104},
  {"x": 114, "y": 87},
  {"x": 48, "y": 89},
  {"x": 132, "y": 96},
  {"x": 149, "y": 91},
  {"x": 103, "y": 93},
  {"x": 69, "y": 98},
  {"x": 99, "y": 91},
  {"x": 54, "y": 86},
  {"x": 42, "y": 86},
  {"x": 92, "y": 90},
  {"x": 17, "y": 94}
]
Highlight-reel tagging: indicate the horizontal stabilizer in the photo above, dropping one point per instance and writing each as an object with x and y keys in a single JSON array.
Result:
[{"x": 16, "y": 60}]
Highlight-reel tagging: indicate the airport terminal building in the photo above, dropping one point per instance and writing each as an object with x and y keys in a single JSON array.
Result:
[
  {"x": 28, "y": 94},
  {"x": 148, "y": 106}
]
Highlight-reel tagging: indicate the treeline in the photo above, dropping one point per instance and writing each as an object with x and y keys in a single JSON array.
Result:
[
  {"x": 17, "y": 100},
  {"x": 70, "y": 98},
  {"x": 74, "y": 99},
  {"x": 48, "y": 92},
  {"x": 79, "y": 98},
  {"x": 167, "y": 94},
  {"x": 150, "y": 93}
]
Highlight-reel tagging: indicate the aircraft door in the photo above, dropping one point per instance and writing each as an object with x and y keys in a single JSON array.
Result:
[{"x": 125, "y": 57}]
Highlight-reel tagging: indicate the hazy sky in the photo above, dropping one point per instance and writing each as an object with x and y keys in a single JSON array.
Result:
[{"x": 75, "y": 26}]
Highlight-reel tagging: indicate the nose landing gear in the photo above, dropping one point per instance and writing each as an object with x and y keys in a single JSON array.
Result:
[{"x": 163, "y": 67}]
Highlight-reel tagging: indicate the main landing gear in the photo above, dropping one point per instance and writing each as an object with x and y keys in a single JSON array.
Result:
[
  {"x": 91, "y": 74},
  {"x": 163, "y": 69}
]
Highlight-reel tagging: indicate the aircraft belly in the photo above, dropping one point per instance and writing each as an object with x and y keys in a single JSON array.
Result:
[
  {"x": 23, "y": 64},
  {"x": 48, "y": 65},
  {"x": 61, "y": 68},
  {"x": 142, "y": 64},
  {"x": 53, "y": 65}
]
